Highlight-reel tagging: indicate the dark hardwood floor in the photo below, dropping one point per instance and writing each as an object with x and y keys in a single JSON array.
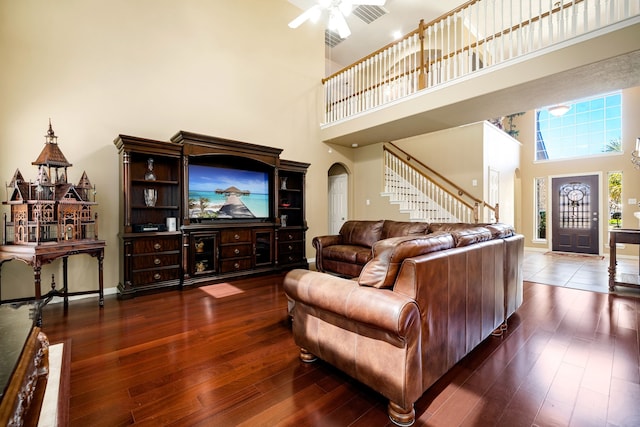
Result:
[{"x": 226, "y": 358}]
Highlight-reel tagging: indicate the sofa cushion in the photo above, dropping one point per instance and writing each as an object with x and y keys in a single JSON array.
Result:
[
  {"x": 347, "y": 253},
  {"x": 388, "y": 255},
  {"x": 470, "y": 235},
  {"x": 402, "y": 228},
  {"x": 500, "y": 230},
  {"x": 450, "y": 226},
  {"x": 361, "y": 233}
]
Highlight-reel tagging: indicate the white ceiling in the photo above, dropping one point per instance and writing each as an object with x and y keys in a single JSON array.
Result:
[{"x": 403, "y": 16}]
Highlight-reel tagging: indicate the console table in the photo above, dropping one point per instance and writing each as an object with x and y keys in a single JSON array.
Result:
[
  {"x": 630, "y": 236},
  {"x": 37, "y": 255}
]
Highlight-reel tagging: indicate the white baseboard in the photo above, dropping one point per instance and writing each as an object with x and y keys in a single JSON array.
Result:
[{"x": 107, "y": 291}]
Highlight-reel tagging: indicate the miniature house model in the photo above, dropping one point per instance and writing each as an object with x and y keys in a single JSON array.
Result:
[{"x": 49, "y": 209}]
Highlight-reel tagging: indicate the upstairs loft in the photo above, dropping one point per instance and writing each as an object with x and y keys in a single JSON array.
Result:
[{"x": 475, "y": 64}]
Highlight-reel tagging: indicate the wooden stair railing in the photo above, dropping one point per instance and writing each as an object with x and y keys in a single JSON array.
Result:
[{"x": 428, "y": 195}]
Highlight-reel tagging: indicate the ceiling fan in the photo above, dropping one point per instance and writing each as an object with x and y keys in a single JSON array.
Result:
[{"x": 337, "y": 11}]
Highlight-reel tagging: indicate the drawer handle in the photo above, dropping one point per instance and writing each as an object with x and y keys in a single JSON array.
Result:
[
  {"x": 290, "y": 236},
  {"x": 290, "y": 247},
  {"x": 236, "y": 237},
  {"x": 236, "y": 251},
  {"x": 157, "y": 261},
  {"x": 236, "y": 266},
  {"x": 157, "y": 246},
  {"x": 157, "y": 276}
]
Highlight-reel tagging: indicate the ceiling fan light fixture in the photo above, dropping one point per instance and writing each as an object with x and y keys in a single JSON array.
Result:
[
  {"x": 338, "y": 23},
  {"x": 311, "y": 13},
  {"x": 558, "y": 110},
  {"x": 345, "y": 7},
  {"x": 338, "y": 10}
]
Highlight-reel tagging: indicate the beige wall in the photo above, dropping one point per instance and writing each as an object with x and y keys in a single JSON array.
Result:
[
  {"x": 150, "y": 68},
  {"x": 368, "y": 177},
  {"x": 502, "y": 154},
  {"x": 456, "y": 153}
]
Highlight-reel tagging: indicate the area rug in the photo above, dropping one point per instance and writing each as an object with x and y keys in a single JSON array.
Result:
[
  {"x": 221, "y": 290},
  {"x": 573, "y": 255}
]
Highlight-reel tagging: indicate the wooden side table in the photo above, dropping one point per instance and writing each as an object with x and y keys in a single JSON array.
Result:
[
  {"x": 630, "y": 236},
  {"x": 37, "y": 255}
]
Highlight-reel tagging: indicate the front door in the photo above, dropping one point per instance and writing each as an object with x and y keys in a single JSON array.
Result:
[{"x": 575, "y": 221}]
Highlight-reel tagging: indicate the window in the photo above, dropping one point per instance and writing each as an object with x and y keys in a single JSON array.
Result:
[
  {"x": 615, "y": 199},
  {"x": 592, "y": 126},
  {"x": 540, "y": 201}
]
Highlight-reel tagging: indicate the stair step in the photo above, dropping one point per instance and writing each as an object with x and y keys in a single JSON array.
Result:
[{"x": 405, "y": 193}]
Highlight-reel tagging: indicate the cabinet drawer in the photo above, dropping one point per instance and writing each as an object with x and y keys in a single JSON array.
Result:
[
  {"x": 153, "y": 276},
  {"x": 235, "y": 265},
  {"x": 289, "y": 258},
  {"x": 235, "y": 236},
  {"x": 236, "y": 251},
  {"x": 285, "y": 235},
  {"x": 156, "y": 244},
  {"x": 289, "y": 247},
  {"x": 157, "y": 260}
]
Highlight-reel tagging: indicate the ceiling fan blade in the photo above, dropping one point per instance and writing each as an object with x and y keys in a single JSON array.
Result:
[
  {"x": 369, "y": 2},
  {"x": 340, "y": 23},
  {"x": 310, "y": 13}
]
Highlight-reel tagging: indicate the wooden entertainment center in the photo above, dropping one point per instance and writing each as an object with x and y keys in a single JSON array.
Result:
[{"x": 176, "y": 233}]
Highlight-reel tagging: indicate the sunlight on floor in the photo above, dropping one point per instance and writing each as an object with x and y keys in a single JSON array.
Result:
[{"x": 221, "y": 290}]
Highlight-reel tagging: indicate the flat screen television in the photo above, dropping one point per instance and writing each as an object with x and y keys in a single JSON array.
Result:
[{"x": 219, "y": 192}]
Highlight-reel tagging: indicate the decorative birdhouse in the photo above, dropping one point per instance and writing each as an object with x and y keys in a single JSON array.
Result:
[{"x": 49, "y": 208}]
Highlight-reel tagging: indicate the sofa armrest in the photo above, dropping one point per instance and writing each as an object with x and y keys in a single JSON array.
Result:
[
  {"x": 321, "y": 242},
  {"x": 380, "y": 308}
]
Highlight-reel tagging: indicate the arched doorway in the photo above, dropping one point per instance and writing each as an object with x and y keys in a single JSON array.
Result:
[{"x": 338, "y": 191}]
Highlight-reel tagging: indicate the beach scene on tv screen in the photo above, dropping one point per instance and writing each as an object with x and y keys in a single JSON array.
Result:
[{"x": 221, "y": 193}]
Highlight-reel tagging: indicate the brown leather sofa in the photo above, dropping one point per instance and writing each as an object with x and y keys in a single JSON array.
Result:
[
  {"x": 346, "y": 253},
  {"x": 418, "y": 306}
]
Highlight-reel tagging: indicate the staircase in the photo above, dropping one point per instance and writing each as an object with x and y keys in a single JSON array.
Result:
[{"x": 427, "y": 196}]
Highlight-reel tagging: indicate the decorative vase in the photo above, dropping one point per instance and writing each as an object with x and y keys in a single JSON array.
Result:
[
  {"x": 149, "y": 175},
  {"x": 283, "y": 183},
  {"x": 150, "y": 196}
]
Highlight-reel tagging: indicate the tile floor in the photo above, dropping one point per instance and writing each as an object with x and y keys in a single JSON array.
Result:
[{"x": 583, "y": 272}]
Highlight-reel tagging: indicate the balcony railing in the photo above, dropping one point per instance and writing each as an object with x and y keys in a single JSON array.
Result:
[{"x": 477, "y": 35}]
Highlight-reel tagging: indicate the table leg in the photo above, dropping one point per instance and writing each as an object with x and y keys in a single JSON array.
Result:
[
  {"x": 38, "y": 295},
  {"x": 65, "y": 283},
  {"x": 100, "y": 279},
  {"x": 612, "y": 262}
]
